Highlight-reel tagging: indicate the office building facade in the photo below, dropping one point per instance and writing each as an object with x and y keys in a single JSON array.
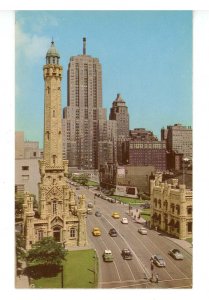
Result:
[
  {"x": 119, "y": 113},
  {"x": 179, "y": 139},
  {"x": 84, "y": 110}
]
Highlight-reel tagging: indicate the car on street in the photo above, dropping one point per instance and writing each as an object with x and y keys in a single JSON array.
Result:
[
  {"x": 90, "y": 205},
  {"x": 115, "y": 215},
  {"x": 142, "y": 230},
  {"x": 96, "y": 231},
  {"x": 98, "y": 213},
  {"x": 158, "y": 260},
  {"x": 126, "y": 254},
  {"x": 97, "y": 194},
  {"x": 176, "y": 254},
  {"x": 124, "y": 221},
  {"x": 113, "y": 232},
  {"x": 107, "y": 256}
]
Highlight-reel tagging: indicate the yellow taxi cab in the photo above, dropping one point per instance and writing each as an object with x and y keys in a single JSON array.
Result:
[
  {"x": 115, "y": 215},
  {"x": 96, "y": 231}
]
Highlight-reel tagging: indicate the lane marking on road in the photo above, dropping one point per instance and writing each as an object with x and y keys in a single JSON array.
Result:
[
  {"x": 120, "y": 250},
  {"x": 167, "y": 258},
  {"x": 149, "y": 240},
  {"x": 160, "y": 281},
  {"x": 107, "y": 248},
  {"x": 113, "y": 260},
  {"x": 138, "y": 260},
  {"x": 163, "y": 253}
]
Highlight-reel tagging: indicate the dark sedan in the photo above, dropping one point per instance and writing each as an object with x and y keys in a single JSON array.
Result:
[
  {"x": 158, "y": 260},
  {"x": 113, "y": 232}
]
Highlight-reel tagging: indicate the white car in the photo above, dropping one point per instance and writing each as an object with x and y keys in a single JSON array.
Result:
[
  {"x": 142, "y": 230},
  {"x": 176, "y": 254},
  {"x": 124, "y": 221}
]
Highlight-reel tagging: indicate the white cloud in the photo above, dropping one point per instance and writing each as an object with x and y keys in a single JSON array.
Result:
[
  {"x": 44, "y": 20},
  {"x": 30, "y": 47}
]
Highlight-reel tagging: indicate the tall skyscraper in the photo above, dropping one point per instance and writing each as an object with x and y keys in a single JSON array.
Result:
[
  {"x": 119, "y": 112},
  {"x": 84, "y": 110},
  {"x": 61, "y": 216}
]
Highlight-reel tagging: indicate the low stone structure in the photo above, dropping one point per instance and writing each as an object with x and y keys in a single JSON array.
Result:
[{"x": 171, "y": 208}]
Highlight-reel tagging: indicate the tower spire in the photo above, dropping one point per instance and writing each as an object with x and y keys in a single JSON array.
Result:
[{"x": 84, "y": 46}]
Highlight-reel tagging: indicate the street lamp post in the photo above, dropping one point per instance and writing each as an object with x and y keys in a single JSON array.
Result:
[{"x": 62, "y": 277}]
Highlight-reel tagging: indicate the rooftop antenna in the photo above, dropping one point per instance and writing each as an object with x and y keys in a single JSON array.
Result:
[{"x": 84, "y": 46}]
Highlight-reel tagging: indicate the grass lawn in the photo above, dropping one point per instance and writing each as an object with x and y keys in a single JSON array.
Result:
[
  {"x": 92, "y": 183},
  {"x": 128, "y": 200},
  {"x": 79, "y": 269},
  {"x": 189, "y": 240},
  {"x": 145, "y": 214}
]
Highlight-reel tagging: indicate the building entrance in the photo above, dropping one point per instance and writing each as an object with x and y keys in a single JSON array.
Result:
[{"x": 57, "y": 234}]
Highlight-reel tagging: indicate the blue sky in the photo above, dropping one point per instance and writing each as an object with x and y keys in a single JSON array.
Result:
[{"x": 145, "y": 55}]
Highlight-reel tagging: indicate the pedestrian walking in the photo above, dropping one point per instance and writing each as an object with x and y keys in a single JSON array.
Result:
[
  {"x": 156, "y": 278},
  {"x": 151, "y": 279},
  {"x": 152, "y": 265}
]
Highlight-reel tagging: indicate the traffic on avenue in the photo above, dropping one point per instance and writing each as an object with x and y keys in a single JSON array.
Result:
[{"x": 151, "y": 262}]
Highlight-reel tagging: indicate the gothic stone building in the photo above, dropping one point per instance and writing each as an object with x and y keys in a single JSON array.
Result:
[
  {"x": 60, "y": 215},
  {"x": 171, "y": 208}
]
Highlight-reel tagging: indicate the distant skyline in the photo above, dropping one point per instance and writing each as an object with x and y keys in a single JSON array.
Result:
[{"x": 146, "y": 56}]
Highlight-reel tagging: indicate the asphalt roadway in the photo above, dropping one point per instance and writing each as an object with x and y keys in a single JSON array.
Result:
[{"x": 135, "y": 273}]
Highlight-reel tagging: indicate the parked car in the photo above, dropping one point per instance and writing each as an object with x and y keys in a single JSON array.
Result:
[
  {"x": 126, "y": 254},
  {"x": 124, "y": 221},
  {"x": 176, "y": 254},
  {"x": 111, "y": 200},
  {"x": 98, "y": 194},
  {"x": 107, "y": 256},
  {"x": 142, "y": 230},
  {"x": 115, "y": 215},
  {"x": 113, "y": 232},
  {"x": 96, "y": 231},
  {"x": 98, "y": 213},
  {"x": 90, "y": 205},
  {"x": 158, "y": 260}
]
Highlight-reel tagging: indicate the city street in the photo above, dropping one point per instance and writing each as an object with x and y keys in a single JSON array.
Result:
[{"x": 135, "y": 273}]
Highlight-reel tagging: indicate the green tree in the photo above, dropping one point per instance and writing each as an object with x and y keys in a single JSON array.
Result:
[
  {"x": 81, "y": 179},
  {"x": 46, "y": 252},
  {"x": 20, "y": 249},
  {"x": 19, "y": 206}
]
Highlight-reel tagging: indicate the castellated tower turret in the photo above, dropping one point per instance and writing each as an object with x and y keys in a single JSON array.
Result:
[{"x": 60, "y": 215}]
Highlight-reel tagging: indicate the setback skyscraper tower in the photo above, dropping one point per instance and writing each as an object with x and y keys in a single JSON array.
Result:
[
  {"x": 119, "y": 113},
  {"x": 81, "y": 116}
]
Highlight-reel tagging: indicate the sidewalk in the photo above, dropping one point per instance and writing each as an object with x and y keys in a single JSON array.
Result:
[
  {"x": 182, "y": 243},
  {"x": 22, "y": 281}
]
